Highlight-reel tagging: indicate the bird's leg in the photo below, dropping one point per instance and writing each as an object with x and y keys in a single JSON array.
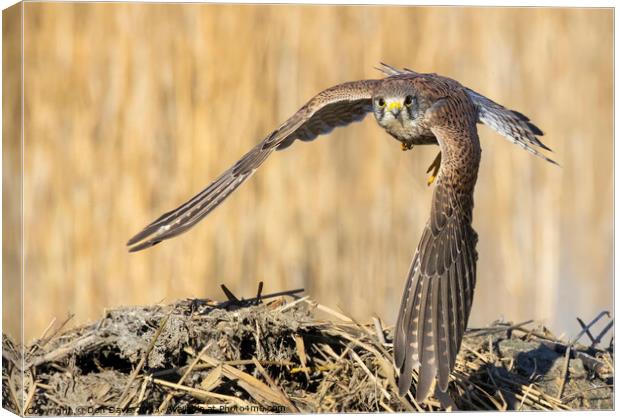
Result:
[
  {"x": 434, "y": 167},
  {"x": 405, "y": 146}
]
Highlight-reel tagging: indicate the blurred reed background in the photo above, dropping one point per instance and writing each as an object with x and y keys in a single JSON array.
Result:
[{"x": 132, "y": 108}]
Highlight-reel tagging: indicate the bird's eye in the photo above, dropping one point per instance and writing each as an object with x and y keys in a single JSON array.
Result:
[
  {"x": 408, "y": 100},
  {"x": 380, "y": 102}
]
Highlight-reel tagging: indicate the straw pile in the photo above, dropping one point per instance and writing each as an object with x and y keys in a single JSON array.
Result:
[{"x": 276, "y": 354}]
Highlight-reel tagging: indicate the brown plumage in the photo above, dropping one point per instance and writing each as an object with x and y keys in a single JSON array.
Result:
[
  {"x": 416, "y": 109},
  {"x": 439, "y": 290}
]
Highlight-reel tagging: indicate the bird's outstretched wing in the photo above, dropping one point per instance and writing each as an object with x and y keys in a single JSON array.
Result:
[
  {"x": 438, "y": 295},
  {"x": 513, "y": 125},
  {"x": 337, "y": 106}
]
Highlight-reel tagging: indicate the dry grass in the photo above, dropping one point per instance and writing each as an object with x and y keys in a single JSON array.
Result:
[
  {"x": 246, "y": 356},
  {"x": 131, "y": 108}
]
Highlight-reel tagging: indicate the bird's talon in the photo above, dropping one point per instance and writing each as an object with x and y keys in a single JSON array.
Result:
[
  {"x": 434, "y": 169},
  {"x": 405, "y": 146}
]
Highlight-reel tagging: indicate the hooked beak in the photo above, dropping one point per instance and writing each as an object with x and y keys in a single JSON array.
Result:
[{"x": 395, "y": 108}]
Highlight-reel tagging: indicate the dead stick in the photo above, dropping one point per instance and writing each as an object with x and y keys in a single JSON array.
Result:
[
  {"x": 179, "y": 370},
  {"x": 36, "y": 345},
  {"x": 44, "y": 340},
  {"x": 485, "y": 331},
  {"x": 63, "y": 350},
  {"x": 602, "y": 333},
  {"x": 29, "y": 398},
  {"x": 564, "y": 372},
  {"x": 587, "y": 328},
  {"x": 292, "y": 293},
  {"x": 145, "y": 381},
  {"x": 200, "y": 392},
  {"x": 379, "y": 330},
  {"x": 588, "y": 333},
  {"x": 12, "y": 392},
  {"x": 273, "y": 385},
  {"x": 370, "y": 375},
  {"x": 168, "y": 398}
]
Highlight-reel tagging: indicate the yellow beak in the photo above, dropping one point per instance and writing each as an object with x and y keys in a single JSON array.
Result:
[{"x": 394, "y": 106}]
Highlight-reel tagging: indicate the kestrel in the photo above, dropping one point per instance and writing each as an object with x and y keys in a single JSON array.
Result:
[{"x": 416, "y": 109}]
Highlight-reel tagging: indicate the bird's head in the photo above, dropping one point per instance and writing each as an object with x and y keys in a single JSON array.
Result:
[{"x": 397, "y": 105}]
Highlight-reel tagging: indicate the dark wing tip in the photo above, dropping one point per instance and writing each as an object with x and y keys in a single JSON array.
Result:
[
  {"x": 503, "y": 121},
  {"x": 404, "y": 382},
  {"x": 535, "y": 129},
  {"x": 443, "y": 384},
  {"x": 386, "y": 69},
  {"x": 141, "y": 240},
  {"x": 150, "y": 229},
  {"x": 142, "y": 246},
  {"x": 543, "y": 146},
  {"x": 520, "y": 115},
  {"x": 144, "y": 239},
  {"x": 139, "y": 237},
  {"x": 424, "y": 386}
]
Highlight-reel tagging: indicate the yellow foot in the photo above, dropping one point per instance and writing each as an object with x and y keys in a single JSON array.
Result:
[
  {"x": 405, "y": 146},
  {"x": 434, "y": 167},
  {"x": 430, "y": 179}
]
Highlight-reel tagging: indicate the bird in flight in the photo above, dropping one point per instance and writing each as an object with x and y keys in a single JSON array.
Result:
[{"x": 415, "y": 109}]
